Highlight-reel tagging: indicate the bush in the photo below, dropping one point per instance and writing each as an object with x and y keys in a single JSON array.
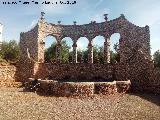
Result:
[
  {"x": 156, "y": 58},
  {"x": 10, "y": 51}
]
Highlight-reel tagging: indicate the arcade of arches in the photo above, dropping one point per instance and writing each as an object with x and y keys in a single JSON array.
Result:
[{"x": 134, "y": 50}]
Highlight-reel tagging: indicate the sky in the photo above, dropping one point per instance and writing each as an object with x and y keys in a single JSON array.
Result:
[{"x": 21, "y": 18}]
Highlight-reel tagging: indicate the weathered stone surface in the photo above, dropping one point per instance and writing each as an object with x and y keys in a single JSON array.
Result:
[
  {"x": 105, "y": 88},
  {"x": 51, "y": 87},
  {"x": 8, "y": 76},
  {"x": 123, "y": 86}
]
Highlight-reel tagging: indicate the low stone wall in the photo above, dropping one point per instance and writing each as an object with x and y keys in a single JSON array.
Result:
[
  {"x": 105, "y": 88},
  {"x": 7, "y": 75},
  {"x": 66, "y": 88},
  {"x": 51, "y": 87},
  {"x": 123, "y": 86}
]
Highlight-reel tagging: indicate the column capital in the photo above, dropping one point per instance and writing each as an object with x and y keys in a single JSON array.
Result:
[
  {"x": 59, "y": 44},
  {"x": 74, "y": 44},
  {"x": 108, "y": 43}
]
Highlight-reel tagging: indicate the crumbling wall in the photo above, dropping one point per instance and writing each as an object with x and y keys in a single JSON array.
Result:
[
  {"x": 28, "y": 45},
  {"x": 8, "y": 76},
  {"x": 7, "y": 73}
]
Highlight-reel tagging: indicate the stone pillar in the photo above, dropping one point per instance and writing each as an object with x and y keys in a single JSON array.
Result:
[
  {"x": 74, "y": 55},
  {"x": 107, "y": 50},
  {"x": 58, "y": 52},
  {"x": 90, "y": 52}
]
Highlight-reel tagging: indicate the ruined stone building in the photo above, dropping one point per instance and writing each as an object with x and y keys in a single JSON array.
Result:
[
  {"x": 132, "y": 38},
  {"x": 134, "y": 50}
]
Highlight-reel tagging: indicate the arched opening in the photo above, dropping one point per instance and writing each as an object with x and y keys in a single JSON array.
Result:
[
  {"x": 50, "y": 49},
  {"x": 66, "y": 50},
  {"x": 98, "y": 49},
  {"x": 114, "y": 48},
  {"x": 82, "y": 50}
]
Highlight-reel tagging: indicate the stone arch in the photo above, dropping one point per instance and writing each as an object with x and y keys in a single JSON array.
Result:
[
  {"x": 82, "y": 46},
  {"x": 115, "y": 39},
  {"x": 98, "y": 43},
  {"x": 69, "y": 42},
  {"x": 48, "y": 41}
]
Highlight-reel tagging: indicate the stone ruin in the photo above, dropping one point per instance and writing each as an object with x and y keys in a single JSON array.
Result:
[
  {"x": 132, "y": 38},
  {"x": 134, "y": 50}
]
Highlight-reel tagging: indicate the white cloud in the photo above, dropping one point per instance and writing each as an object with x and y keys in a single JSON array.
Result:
[{"x": 33, "y": 23}]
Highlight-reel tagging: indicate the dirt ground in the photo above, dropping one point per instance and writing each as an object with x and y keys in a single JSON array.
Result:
[{"x": 18, "y": 105}]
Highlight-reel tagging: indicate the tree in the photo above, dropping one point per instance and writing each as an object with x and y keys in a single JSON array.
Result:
[
  {"x": 10, "y": 51},
  {"x": 50, "y": 53},
  {"x": 101, "y": 54},
  {"x": 156, "y": 58},
  {"x": 114, "y": 56}
]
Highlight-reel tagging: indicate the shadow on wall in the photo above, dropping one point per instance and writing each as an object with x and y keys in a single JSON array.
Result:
[{"x": 24, "y": 70}]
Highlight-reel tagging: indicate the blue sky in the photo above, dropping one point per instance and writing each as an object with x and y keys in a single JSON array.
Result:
[{"x": 21, "y": 18}]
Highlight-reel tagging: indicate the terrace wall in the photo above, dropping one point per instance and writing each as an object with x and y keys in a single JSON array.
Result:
[{"x": 7, "y": 75}]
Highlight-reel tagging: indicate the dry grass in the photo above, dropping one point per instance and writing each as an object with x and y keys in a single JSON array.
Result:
[{"x": 18, "y": 105}]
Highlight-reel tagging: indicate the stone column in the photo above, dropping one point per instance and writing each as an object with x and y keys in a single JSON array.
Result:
[
  {"x": 74, "y": 55},
  {"x": 107, "y": 50},
  {"x": 90, "y": 52},
  {"x": 58, "y": 52}
]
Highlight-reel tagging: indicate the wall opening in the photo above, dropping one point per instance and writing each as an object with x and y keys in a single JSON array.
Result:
[
  {"x": 114, "y": 48},
  {"x": 82, "y": 50},
  {"x": 50, "y": 49},
  {"x": 66, "y": 50},
  {"x": 98, "y": 49}
]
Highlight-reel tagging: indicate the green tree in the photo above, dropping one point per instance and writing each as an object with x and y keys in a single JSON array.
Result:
[
  {"x": 156, "y": 58},
  {"x": 101, "y": 54},
  {"x": 10, "y": 51},
  {"x": 114, "y": 54},
  {"x": 80, "y": 55},
  {"x": 50, "y": 53}
]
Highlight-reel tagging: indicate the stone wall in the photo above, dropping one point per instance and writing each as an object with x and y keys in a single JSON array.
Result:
[
  {"x": 7, "y": 73},
  {"x": 51, "y": 87},
  {"x": 8, "y": 76},
  {"x": 144, "y": 77},
  {"x": 80, "y": 72},
  {"x": 25, "y": 70}
]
